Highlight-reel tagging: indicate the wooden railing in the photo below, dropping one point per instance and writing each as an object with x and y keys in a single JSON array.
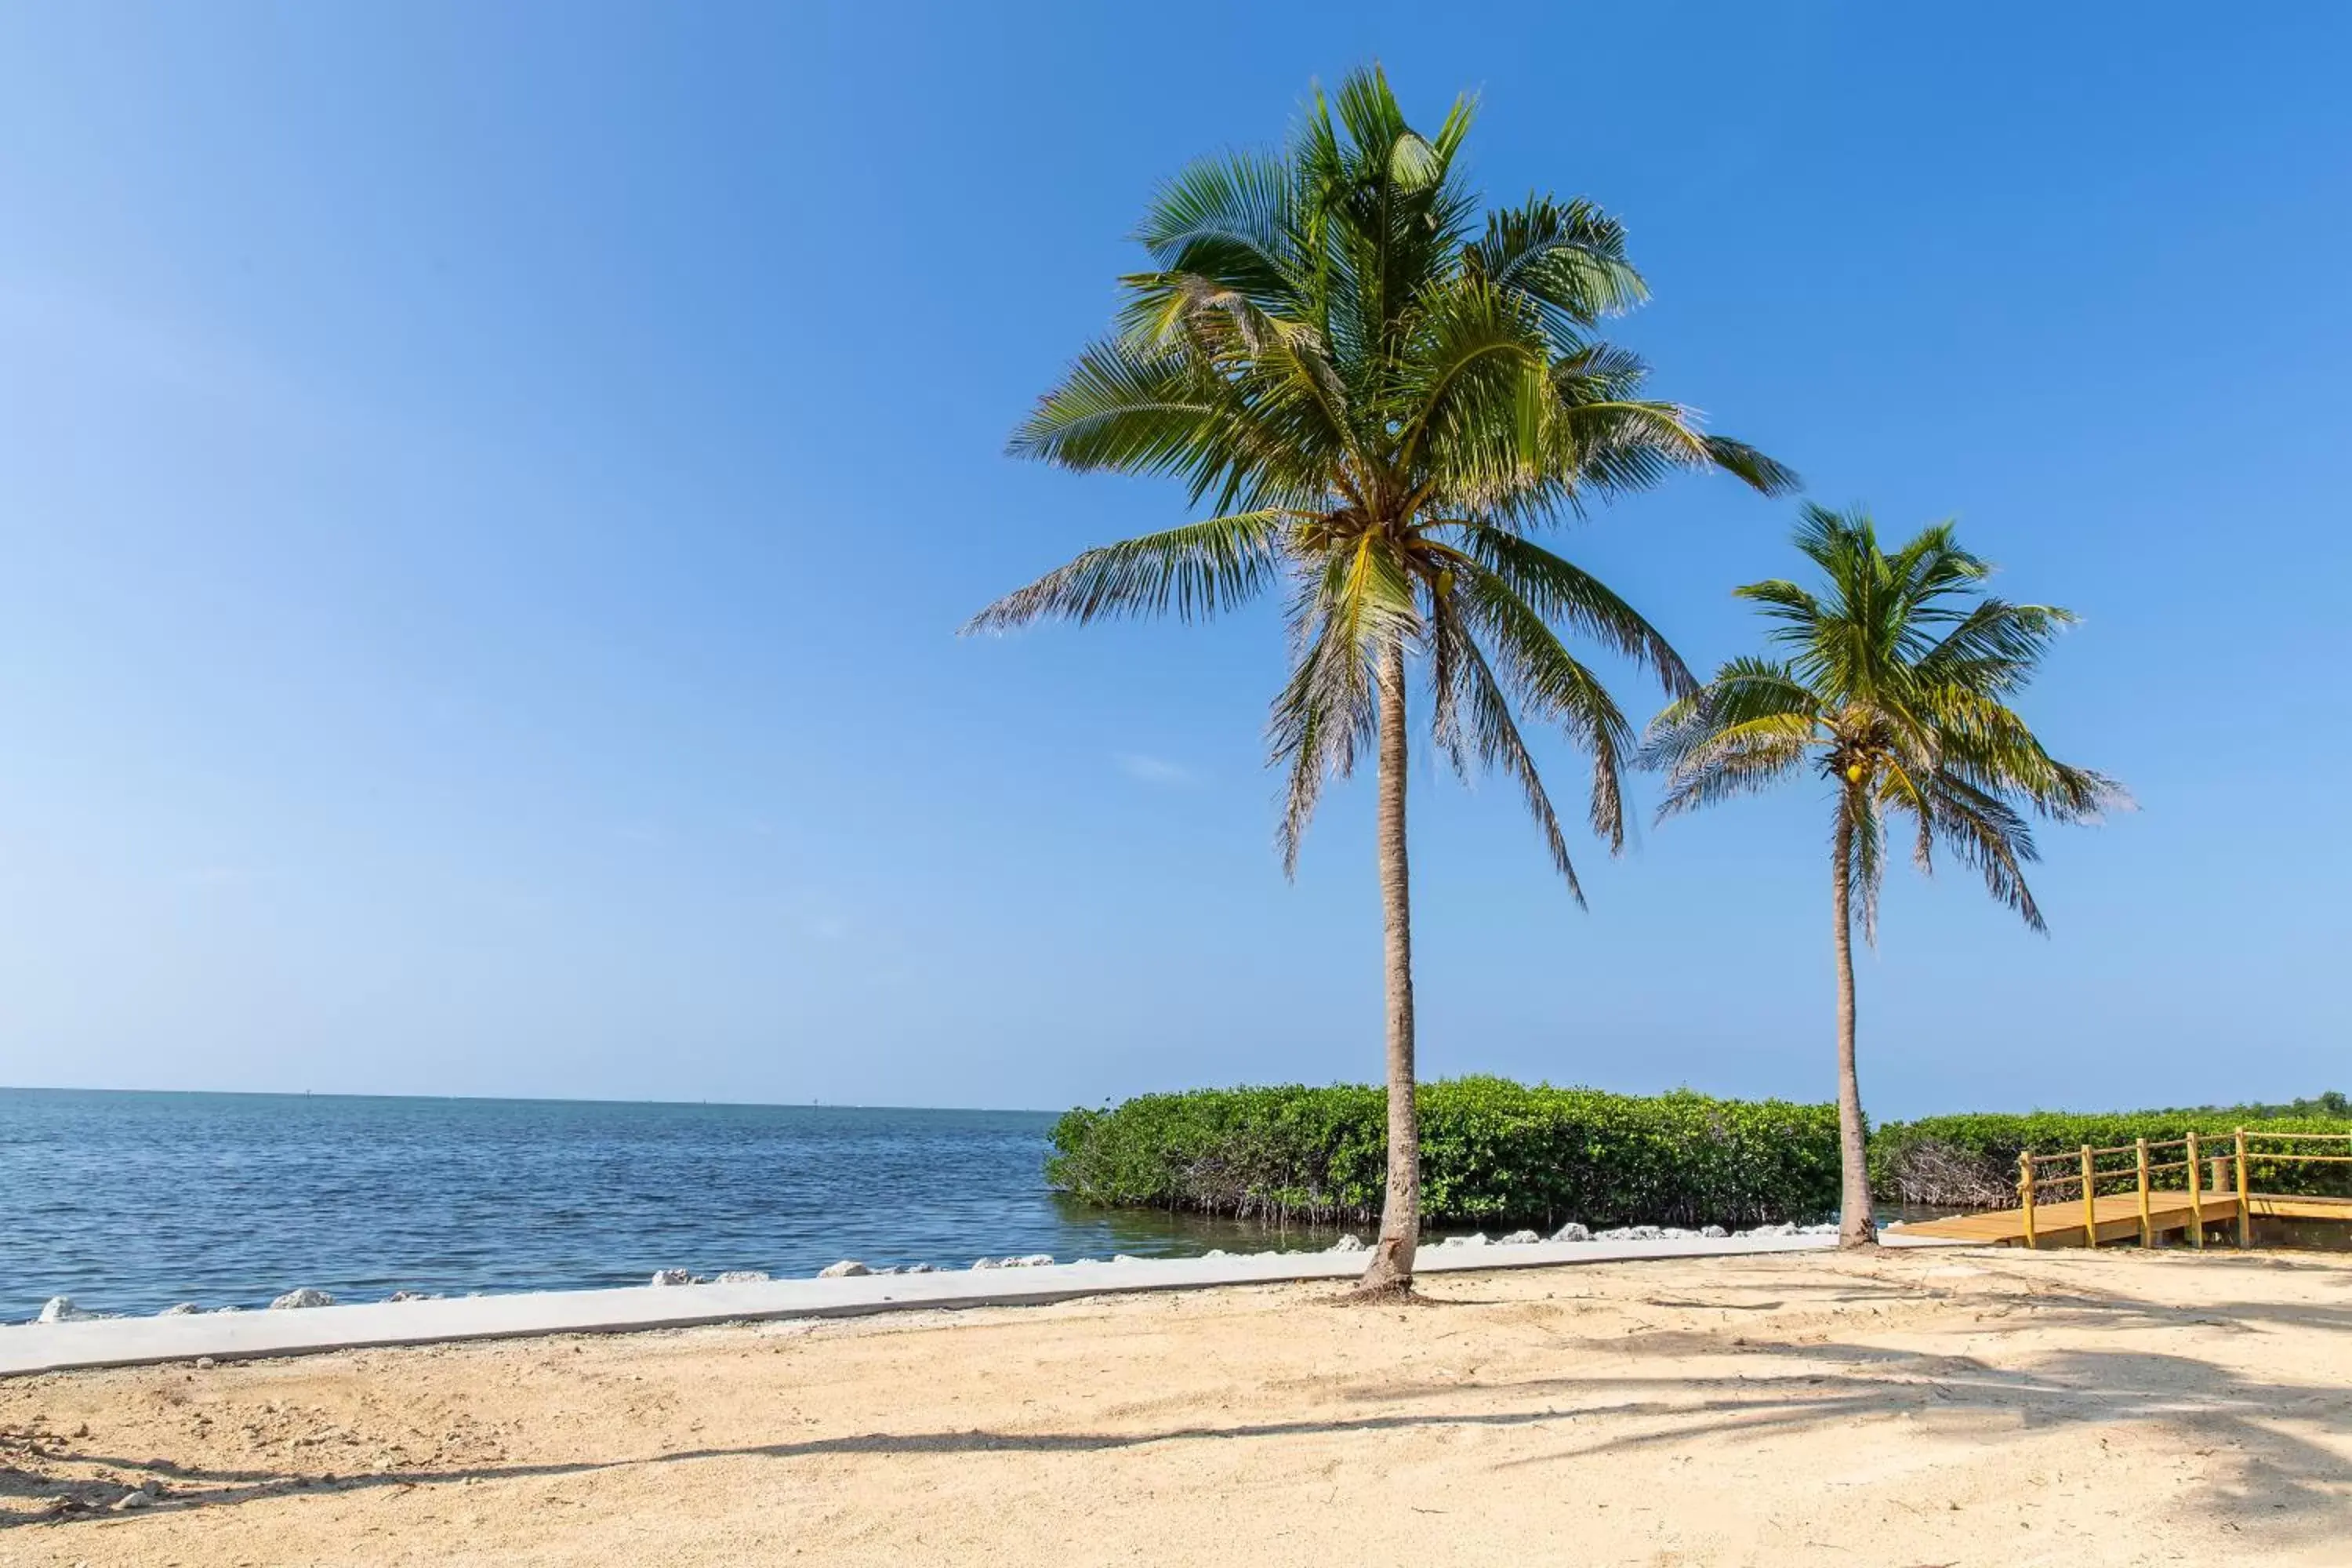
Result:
[{"x": 2088, "y": 1169}]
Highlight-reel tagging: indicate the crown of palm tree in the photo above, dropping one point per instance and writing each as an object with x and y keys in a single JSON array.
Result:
[
  {"x": 1892, "y": 691},
  {"x": 1378, "y": 396}
]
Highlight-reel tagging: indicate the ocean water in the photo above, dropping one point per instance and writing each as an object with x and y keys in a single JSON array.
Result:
[{"x": 130, "y": 1202}]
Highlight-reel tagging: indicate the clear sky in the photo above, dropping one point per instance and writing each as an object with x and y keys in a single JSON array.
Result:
[{"x": 488, "y": 492}]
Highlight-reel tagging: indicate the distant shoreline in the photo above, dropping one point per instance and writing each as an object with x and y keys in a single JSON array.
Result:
[{"x": 300, "y": 1094}]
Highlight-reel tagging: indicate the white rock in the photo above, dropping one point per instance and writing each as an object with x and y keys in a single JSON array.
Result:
[
  {"x": 414, "y": 1296},
  {"x": 295, "y": 1299},
  {"x": 671, "y": 1276},
  {"x": 847, "y": 1268},
  {"x": 1349, "y": 1242},
  {"x": 1829, "y": 1229},
  {"x": 1571, "y": 1231},
  {"x": 1476, "y": 1239},
  {"x": 1125, "y": 1258},
  {"x": 742, "y": 1276},
  {"x": 1675, "y": 1233},
  {"x": 1035, "y": 1260},
  {"x": 1090, "y": 1260},
  {"x": 61, "y": 1309},
  {"x": 1713, "y": 1232},
  {"x": 140, "y": 1498},
  {"x": 205, "y": 1363},
  {"x": 184, "y": 1309},
  {"x": 1520, "y": 1238},
  {"x": 1216, "y": 1252},
  {"x": 922, "y": 1268},
  {"x": 986, "y": 1263}
]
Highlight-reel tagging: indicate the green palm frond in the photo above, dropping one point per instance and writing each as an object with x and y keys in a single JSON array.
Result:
[
  {"x": 1381, "y": 392},
  {"x": 1865, "y": 865},
  {"x": 1894, "y": 682},
  {"x": 1568, "y": 259},
  {"x": 1477, "y": 718},
  {"x": 1360, "y": 603},
  {"x": 1985, "y": 832},
  {"x": 1199, "y": 570},
  {"x": 1994, "y": 646},
  {"x": 1750, "y": 727},
  {"x": 1230, "y": 220},
  {"x": 1554, "y": 687},
  {"x": 1133, "y": 410},
  {"x": 1619, "y": 445},
  {"x": 1559, "y": 591}
]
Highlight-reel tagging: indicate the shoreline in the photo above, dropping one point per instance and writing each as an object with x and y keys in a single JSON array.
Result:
[{"x": 30, "y": 1349}]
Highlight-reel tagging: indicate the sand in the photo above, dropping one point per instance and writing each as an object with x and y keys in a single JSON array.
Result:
[{"x": 1929, "y": 1407}]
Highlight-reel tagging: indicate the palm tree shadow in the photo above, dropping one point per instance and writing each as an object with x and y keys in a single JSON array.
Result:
[
  {"x": 2287, "y": 1484},
  {"x": 2284, "y": 1485}
]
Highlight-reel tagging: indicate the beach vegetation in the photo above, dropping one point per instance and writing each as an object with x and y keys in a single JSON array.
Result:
[
  {"x": 1498, "y": 1154},
  {"x": 1494, "y": 1153},
  {"x": 1891, "y": 686},
  {"x": 1376, "y": 396}
]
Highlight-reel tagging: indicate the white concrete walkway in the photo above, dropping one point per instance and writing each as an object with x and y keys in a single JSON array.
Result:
[{"x": 223, "y": 1336}]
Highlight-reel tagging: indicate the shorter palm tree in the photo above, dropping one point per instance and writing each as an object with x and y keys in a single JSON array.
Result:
[{"x": 1894, "y": 692}]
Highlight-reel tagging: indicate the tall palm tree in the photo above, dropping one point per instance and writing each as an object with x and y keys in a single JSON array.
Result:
[
  {"x": 1377, "y": 396},
  {"x": 1895, "y": 692}
]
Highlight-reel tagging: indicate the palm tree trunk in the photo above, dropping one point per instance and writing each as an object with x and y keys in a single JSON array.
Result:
[
  {"x": 1855, "y": 1227},
  {"x": 1391, "y": 1266}
]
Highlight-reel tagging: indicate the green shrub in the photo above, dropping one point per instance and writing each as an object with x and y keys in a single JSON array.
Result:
[
  {"x": 1493, "y": 1152},
  {"x": 1972, "y": 1160}
]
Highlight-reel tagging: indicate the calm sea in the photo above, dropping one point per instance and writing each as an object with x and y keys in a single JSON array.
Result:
[{"x": 128, "y": 1202}]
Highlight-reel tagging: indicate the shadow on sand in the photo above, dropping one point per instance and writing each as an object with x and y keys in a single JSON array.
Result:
[{"x": 2284, "y": 1485}]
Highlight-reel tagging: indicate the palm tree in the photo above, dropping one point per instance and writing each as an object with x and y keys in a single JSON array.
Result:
[
  {"x": 1376, "y": 397},
  {"x": 1895, "y": 690}
]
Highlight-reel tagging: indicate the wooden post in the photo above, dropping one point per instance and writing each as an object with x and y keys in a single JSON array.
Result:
[
  {"x": 2146, "y": 1224},
  {"x": 2090, "y": 1202},
  {"x": 2245, "y": 1209},
  {"x": 2196, "y": 1200},
  {"x": 2025, "y": 1193}
]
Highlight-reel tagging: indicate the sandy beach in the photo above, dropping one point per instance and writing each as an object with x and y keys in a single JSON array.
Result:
[{"x": 1929, "y": 1407}]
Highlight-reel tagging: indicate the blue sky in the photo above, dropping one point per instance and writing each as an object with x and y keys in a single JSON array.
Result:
[{"x": 488, "y": 492}]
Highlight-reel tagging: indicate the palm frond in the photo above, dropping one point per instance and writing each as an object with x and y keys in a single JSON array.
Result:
[
  {"x": 1566, "y": 257},
  {"x": 1552, "y": 688},
  {"x": 1993, "y": 647},
  {"x": 1624, "y": 445},
  {"x": 1477, "y": 719},
  {"x": 1986, "y": 832},
  {"x": 1128, "y": 409},
  {"x": 1458, "y": 392},
  {"x": 1199, "y": 570},
  {"x": 1359, "y": 600},
  {"x": 1378, "y": 390},
  {"x": 1900, "y": 663},
  {"x": 1231, "y": 220},
  {"x": 1559, "y": 591},
  {"x": 1749, "y": 728},
  {"x": 1865, "y": 865}
]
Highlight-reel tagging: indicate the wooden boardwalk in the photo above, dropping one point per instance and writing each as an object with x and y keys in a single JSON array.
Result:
[
  {"x": 2147, "y": 1212},
  {"x": 2062, "y": 1225}
]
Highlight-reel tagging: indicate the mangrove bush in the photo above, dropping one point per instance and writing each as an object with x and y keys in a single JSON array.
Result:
[{"x": 1493, "y": 1154}]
